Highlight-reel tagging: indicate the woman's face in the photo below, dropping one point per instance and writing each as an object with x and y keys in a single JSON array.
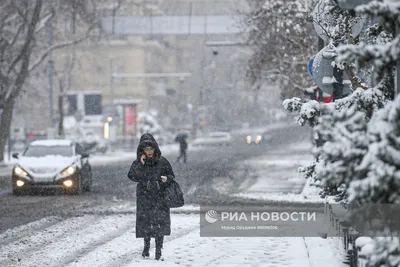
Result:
[{"x": 149, "y": 152}]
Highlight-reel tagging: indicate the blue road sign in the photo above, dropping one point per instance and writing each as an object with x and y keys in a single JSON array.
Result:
[
  {"x": 323, "y": 72},
  {"x": 310, "y": 63}
]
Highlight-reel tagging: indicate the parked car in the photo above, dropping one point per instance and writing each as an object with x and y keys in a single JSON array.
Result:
[
  {"x": 258, "y": 138},
  {"x": 213, "y": 138},
  {"x": 60, "y": 164}
]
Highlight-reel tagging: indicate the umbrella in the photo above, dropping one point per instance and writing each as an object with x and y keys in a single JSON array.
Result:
[{"x": 181, "y": 137}]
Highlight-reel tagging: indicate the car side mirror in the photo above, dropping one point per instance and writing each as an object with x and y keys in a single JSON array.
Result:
[{"x": 15, "y": 155}]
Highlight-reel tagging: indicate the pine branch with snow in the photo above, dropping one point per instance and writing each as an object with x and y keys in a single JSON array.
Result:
[
  {"x": 380, "y": 182},
  {"x": 385, "y": 251},
  {"x": 309, "y": 112},
  {"x": 343, "y": 150}
]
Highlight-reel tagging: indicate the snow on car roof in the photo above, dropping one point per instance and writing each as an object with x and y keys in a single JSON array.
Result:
[{"x": 55, "y": 142}]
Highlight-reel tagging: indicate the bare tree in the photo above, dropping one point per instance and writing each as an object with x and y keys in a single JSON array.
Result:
[
  {"x": 280, "y": 37},
  {"x": 23, "y": 25}
]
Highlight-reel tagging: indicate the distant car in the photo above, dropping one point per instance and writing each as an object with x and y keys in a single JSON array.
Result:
[
  {"x": 258, "y": 138},
  {"x": 61, "y": 164},
  {"x": 214, "y": 138}
]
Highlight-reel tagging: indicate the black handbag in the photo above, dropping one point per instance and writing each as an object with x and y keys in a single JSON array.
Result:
[{"x": 173, "y": 195}]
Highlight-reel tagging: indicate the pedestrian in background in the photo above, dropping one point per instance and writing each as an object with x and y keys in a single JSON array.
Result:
[{"x": 183, "y": 146}]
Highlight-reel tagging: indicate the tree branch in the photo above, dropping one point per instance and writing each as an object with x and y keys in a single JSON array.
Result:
[
  {"x": 29, "y": 36},
  {"x": 26, "y": 52},
  {"x": 297, "y": 86},
  {"x": 22, "y": 12},
  {"x": 59, "y": 46},
  {"x": 43, "y": 22},
  {"x": 20, "y": 28},
  {"x": 292, "y": 40},
  {"x": 295, "y": 62}
]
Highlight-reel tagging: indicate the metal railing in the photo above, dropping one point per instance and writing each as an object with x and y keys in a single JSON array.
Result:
[{"x": 347, "y": 235}]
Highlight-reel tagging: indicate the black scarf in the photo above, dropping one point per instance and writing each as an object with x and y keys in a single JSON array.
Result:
[{"x": 151, "y": 161}]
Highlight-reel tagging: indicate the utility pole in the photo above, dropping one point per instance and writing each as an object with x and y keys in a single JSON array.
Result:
[
  {"x": 49, "y": 28},
  {"x": 397, "y": 83},
  {"x": 182, "y": 101},
  {"x": 214, "y": 98},
  {"x": 111, "y": 89},
  {"x": 111, "y": 57},
  {"x": 321, "y": 43}
]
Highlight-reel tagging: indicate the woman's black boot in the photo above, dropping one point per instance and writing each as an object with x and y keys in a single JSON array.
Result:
[
  {"x": 146, "y": 248},
  {"x": 159, "y": 245}
]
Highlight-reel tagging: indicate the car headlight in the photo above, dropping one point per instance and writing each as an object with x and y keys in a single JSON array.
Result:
[
  {"x": 259, "y": 138},
  {"x": 68, "y": 171},
  {"x": 19, "y": 171},
  {"x": 248, "y": 139}
]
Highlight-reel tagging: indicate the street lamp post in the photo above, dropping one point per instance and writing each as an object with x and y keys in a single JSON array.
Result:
[
  {"x": 111, "y": 91},
  {"x": 397, "y": 85},
  {"x": 181, "y": 98},
  {"x": 49, "y": 28}
]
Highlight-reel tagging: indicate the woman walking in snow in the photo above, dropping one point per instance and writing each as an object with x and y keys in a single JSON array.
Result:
[{"x": 152, "y": 172}]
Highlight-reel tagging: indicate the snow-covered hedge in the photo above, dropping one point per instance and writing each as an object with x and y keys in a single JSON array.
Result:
[{"x": 358, "y": 153}]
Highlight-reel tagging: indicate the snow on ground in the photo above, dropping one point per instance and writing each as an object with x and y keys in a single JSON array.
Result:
[
  {"x": 123, "y": 207},
  {"x": 5, "y": 170},
  {"x": 94, "y": 240},
  {"x": 104, "y": 236},
  {"x": 230, "y": 251},
  {"x": 324, "y": 252},
  {"x": 278, "y": 171},
  {"x": 109, "y": 241}
]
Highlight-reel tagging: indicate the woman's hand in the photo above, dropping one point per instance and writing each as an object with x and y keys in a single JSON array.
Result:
[
  {"x": 142, "y": 158},
  {"x": 163, "y": 179}
]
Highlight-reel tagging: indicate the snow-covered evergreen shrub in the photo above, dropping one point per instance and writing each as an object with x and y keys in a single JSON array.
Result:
[
  {"x": 359, "y": 157},
  {"x": 379, "y": 172}
]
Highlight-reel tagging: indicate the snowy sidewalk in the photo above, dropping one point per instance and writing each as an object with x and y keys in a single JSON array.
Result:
[
  {"x": 191, "y": 250},
  {"x": 278, "y": 172},
  {"x": 5, "y": 170},
  {"x": 109, "y": 241}
]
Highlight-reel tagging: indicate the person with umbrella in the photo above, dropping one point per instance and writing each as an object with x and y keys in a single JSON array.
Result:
[{"x": 181, "y": 138}]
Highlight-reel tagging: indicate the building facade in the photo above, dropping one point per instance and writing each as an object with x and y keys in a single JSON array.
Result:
[{"x": 163, "y": 36}]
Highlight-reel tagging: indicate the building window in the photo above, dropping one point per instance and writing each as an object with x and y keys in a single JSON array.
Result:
[{"x": 93, "y": 105}]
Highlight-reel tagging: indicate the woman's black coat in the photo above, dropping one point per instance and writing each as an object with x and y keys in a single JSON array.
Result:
[{"x": 152, "y": 215}]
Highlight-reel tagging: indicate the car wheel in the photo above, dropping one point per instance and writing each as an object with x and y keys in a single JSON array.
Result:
[
  {"x": 88, "y": 187},
  {"x": 79, "y": 187},
  {"x": 16, "y": 192}
]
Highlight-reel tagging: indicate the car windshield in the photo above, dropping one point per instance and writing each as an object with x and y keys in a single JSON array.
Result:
[{"x": 42, "y": 151}]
